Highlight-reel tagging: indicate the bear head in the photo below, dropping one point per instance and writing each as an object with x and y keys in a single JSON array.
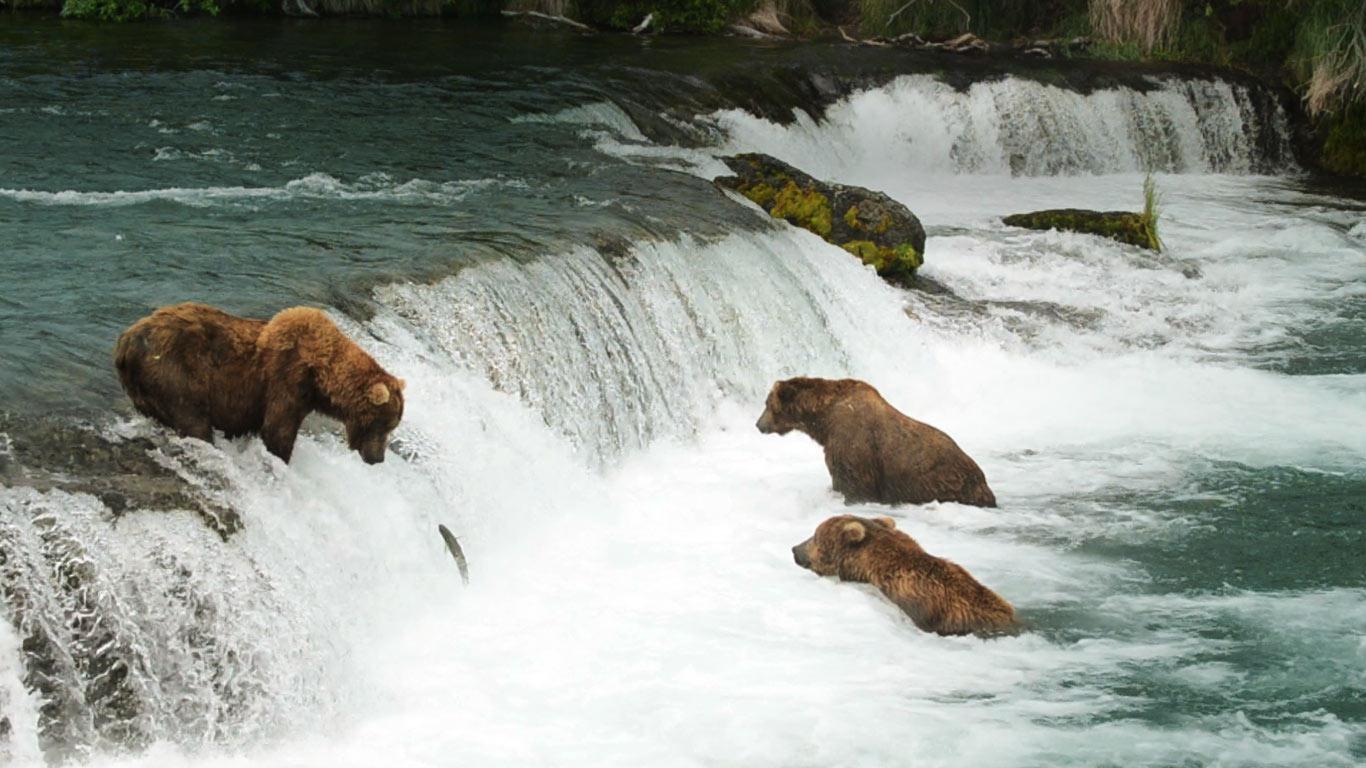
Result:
[
  {"x": 801, "y": 402},
  {"x": 835, "y": 547},
  {"x": 369, "y": 424}
]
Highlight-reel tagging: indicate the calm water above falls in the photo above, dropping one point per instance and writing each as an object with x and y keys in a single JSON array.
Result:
[{"x": 522, "y": 225}]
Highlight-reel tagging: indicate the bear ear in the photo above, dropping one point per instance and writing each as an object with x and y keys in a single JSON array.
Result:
[
  {"x": 378, "y": 393},
  {"x": 401, "y": 384},
  {"x": 853, "y": 531},
  {"x": 886, "y": 522}
]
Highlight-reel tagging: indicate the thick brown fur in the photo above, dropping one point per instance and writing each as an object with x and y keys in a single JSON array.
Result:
[
  {"x": 195, "y": 369},
  {"x": 940, "y": 596},
  {"x": 873, "y": 451}
]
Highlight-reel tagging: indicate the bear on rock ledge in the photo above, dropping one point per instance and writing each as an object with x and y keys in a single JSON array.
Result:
[{"x": 195, "y": 369}]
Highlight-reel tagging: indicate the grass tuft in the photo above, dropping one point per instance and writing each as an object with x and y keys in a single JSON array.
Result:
[
  {"x": 1149, "y": 24},
  {"x": 1330, "y": 55},
  {"x": 1151, "y": 212}
]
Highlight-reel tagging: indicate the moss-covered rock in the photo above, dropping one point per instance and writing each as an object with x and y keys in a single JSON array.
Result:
[
  {"x": 805, "y": 207},
  {"x": 1123, "y": 226},
  {"x": 901, "y": 261},
  {"x": 880, "y": 231}
]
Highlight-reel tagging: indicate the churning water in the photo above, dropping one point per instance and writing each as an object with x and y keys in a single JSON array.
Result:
[{"x": 1178, "y": 441}]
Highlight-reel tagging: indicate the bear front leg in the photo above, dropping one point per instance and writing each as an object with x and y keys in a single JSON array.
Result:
[
  {"x": 281, "y": 427},
  {"x": 851, "y": 478}
]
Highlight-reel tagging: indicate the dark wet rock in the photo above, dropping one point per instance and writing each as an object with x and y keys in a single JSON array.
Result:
[
  {"x": 1121, "y": 226},
  {"x": 122, "y": 473},
  {"x": 75, "y": 657},
  {"x": 870, "y": 225},
  {"x": 118, "y": 647},
  {"x": 929, "y": 285}
]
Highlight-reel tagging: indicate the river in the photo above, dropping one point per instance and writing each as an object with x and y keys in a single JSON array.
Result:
[{"x": 522, "y": 225}]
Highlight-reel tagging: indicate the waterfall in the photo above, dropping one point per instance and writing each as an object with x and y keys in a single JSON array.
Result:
[
  {"x": 918, "y": 124},
  {"x": 141, "y": 626},
  {"x": 583, "y": 421},
  {"x": 617, "y": 349}
]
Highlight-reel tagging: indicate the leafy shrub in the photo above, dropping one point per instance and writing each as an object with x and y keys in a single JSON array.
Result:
[{"x": 130, "y": 10}]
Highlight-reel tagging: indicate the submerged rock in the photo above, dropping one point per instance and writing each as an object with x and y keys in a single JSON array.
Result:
[
  {"x": 870, "y": 225},
  {"x": 1122, "y": 226}
]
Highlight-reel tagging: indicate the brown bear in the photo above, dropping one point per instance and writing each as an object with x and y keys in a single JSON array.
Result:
[
  {"x": 195, "y": 369},
  {"x": 939, "y": 595},
  {"x": 873, "y": 451}
]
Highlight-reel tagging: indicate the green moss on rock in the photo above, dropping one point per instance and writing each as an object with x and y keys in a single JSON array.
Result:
[
  {"x": 1121, "y": 226},
  {"x": 762, "y": 194},
  {"x": 868, "y": 224},
  {"x": 864, "y": 249},
  {"x": 877, "y": 220},
  {"x": 806, "y": 208},
  {"x": 899, "y": 261},
  {"x": 851, "y": 218}
]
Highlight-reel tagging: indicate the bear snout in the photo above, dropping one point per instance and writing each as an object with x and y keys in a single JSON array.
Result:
[
  {"x": 800, "y": 554},
  {"x": 373, "y": 452},
  {"x": 765, "y": 423}
]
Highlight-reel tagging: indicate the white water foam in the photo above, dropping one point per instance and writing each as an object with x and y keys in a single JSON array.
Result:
[
  {"x": 617, "y": 351},
  {"x": 315, "y": 186},
  {"x": 18, "y": 706},
  {"x": 918, "y": 125},
  {"x": 649, "y": 613},
  {"x": 599, "y": 115},
  {"x": 585, "y": 424}
]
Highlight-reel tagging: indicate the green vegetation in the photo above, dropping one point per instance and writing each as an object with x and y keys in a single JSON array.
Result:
[
  {"x": 1344, "y": 147},
  {"x": 854, "y": 220},
  {"x": 805, "y": 208},
  {"x": 1330, "y": 55},
  {"x": 136, "y": 10},
  {"x": 1138, "y": 229},
  {"x": 1150, "y": 214},
  {"x": 899, "y": 262},
  {"x": 129, "y": 10}
]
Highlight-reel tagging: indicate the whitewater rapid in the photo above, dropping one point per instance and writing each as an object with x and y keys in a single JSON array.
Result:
[
  {"x": 584, "y": 423},
  {"x": 650, "y": 612}
]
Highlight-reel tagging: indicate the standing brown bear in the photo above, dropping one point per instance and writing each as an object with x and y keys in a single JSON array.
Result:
[
  {"x": 873, "y": 451},
  {"x": 195, "y": 369},
  {"x": 940, "y": 596}
]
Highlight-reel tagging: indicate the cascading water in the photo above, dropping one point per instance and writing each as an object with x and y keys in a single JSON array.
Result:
[
  {"x": 617, "y": 350},
  {"x": 1026, "y": 128},
  {"x": 1173, "y": 439}
]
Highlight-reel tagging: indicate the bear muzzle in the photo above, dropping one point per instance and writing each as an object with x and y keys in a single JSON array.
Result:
[
  {"x": 372, "y": 452},
  {"x": 765, "y": 423},
  {"x": 801, "y": 554}
]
